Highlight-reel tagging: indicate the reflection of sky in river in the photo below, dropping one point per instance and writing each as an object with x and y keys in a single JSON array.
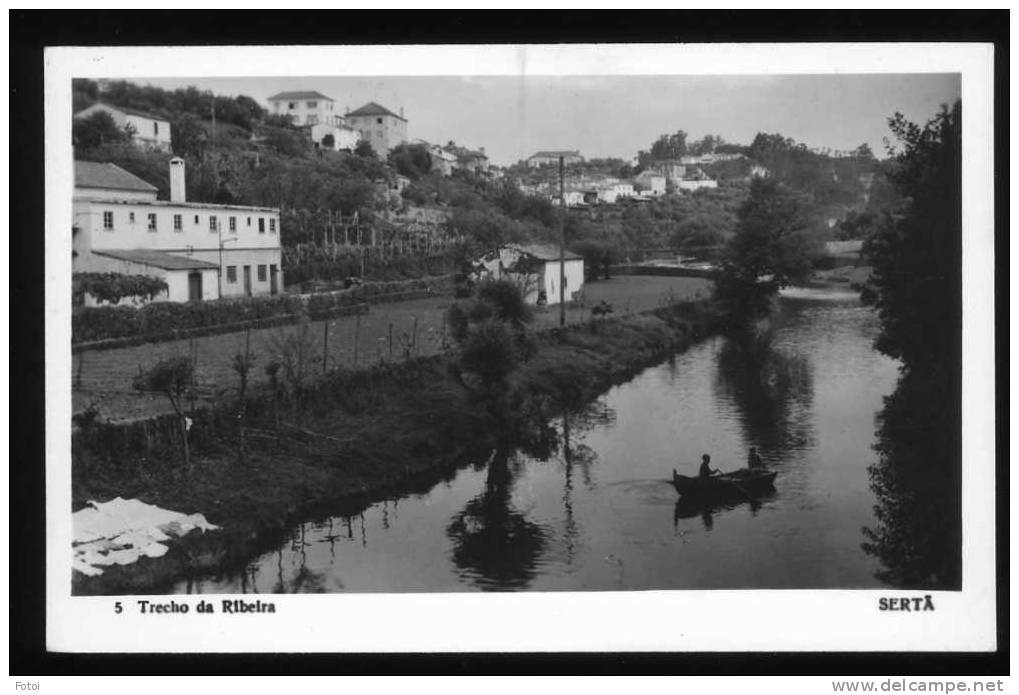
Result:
[{"x": 608, "y": 519}]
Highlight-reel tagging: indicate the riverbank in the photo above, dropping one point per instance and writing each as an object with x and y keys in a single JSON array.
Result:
[
  {"x": 363, "y": 436},
  {"x": 103, "y": 378}
]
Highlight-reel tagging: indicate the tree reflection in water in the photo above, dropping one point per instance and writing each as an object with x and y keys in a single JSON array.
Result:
[
  {"x": 494, "y": 545},
  {"x": 917, "y": 482},
  {"x": 773, "y": 392}
]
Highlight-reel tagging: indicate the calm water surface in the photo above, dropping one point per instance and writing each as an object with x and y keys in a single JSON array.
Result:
[{"x": 600, "y": 514}]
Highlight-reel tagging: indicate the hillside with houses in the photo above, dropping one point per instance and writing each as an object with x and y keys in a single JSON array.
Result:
[{"x": 354, "y": 193}]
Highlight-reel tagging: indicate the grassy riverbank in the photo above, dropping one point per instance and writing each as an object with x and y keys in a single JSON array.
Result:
[{"x": 362, "y": 436}]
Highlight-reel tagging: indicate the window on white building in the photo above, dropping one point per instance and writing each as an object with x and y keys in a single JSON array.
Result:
[
  {"x": 155, "y": 127},
  {"x": 107, "y": 219},
  {"x": 178, "y": 223},
  {"x": 272, "y": 225},
  {"x": 212, "y": 223},
  {"x": 231, "y": 273},
  {"x": 261, "y": 273},
  {"x": 196, "y": 219},
  {"x": 233, "y": 224},
  {"x": 152, "y": 221},
  {"x": 378, "y": 120},
  {"x": 130, "y": 217},
  {"x": 291, "y": 105},
  {"x": 261, "y": 225},
  {"x": 312, "y": 119},
  {"x": 312, "y": 104},
  {"x": 249, "y": 221}
]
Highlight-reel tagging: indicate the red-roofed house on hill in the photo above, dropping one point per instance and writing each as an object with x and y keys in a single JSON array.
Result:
[
  {"x": 146, "y": 130},
  {"x": 379, "y": 126},
  {"x": 202, "y": 250}
]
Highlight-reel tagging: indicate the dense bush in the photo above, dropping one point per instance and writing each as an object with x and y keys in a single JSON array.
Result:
[
  {"x": 107, "y": 322},
  {"x": 112, "y": 287},
  {"x": 101, "y": 323}
]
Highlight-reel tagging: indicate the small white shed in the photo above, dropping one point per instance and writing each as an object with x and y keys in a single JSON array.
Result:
[{"x": 535, "y": 267}]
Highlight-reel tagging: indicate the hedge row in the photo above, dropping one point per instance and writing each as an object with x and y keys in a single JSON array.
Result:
[
  {"x": 166, "y": 319},
  {"x": 105, "y": 322},
  {"x": 177, "y": 334}
]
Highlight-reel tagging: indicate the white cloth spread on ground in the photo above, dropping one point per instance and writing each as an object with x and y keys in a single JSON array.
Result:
[{"x": 120, "y": 531}]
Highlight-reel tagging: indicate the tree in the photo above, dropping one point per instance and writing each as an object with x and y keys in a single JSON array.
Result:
[
  {"x": 491, "y": 333},
  {"x": 696, "y": 231},
  {"x": 329, "y": 142},
  {"x": 172, "y": 377},
  {"x": 279, "y": 120},
  {"x": 669, "y": 146},
  {"x": 241, "y": 364},
  {"x": 413, "y": 161},
  {"x": 189, "y": 137},
  {"x": 365, "y": 149},
  {"x": 97, "y": 129},
  {"x": 916, "y": 283},
  {"x": 916, "y": 286},
  {"x": 598, "y": 257},
  {"x": 863, "y": 152},
  {"x": 770, "y": 250}
]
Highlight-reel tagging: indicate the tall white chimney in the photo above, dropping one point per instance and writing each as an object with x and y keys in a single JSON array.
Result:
[{"x": 177, "y": 191}]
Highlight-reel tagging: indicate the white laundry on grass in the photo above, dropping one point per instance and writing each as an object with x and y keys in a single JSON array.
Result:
[{"x": 120, "y": 531}]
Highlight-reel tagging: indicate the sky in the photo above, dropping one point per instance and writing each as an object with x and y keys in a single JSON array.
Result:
[{"x": 615, "y": 116}]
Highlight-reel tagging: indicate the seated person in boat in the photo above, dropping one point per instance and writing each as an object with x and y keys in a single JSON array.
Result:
[
  {"x": 706, "y": 470},
  {"x": 754, "y": 459}
]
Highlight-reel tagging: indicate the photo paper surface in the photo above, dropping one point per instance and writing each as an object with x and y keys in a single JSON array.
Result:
[{"x": 623, "y": 348}]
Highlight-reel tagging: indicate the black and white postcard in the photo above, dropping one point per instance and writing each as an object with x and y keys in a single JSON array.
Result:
[{"x": 622, "y": 348}]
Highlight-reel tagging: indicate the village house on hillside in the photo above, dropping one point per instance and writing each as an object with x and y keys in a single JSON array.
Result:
[
  {"x": 376, "y": 124},
  {"x": 315, "y": 113},
  {"x": 443, "y": 161},
  {"x": 304, "y": 108},
  {"x": 652, "y": 182},
  {"x": 549, "y": 157},
  {"x": 202, "y": 250},
  {"x": 146, "y": 130},
  {"x": 535, "y": 268}
]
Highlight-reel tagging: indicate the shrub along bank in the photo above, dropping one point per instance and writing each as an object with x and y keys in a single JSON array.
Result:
[{"x": 346, "y": 452}]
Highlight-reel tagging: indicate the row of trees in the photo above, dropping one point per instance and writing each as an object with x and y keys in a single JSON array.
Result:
[{"x": 242, "y": 110}]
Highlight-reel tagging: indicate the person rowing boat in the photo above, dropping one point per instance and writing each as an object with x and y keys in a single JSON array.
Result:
[{"x": 706, "y": 470}]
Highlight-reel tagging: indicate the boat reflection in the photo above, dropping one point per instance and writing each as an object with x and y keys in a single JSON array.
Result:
[{"x": 690, "y": 507}]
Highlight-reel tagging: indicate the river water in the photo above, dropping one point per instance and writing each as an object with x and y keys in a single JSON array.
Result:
[{"x": 600, "y": 513}]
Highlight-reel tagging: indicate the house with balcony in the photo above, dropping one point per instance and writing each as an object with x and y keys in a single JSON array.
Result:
[
  {"x": 146, "y": 130},
  {"x": 202, "y": 250}
]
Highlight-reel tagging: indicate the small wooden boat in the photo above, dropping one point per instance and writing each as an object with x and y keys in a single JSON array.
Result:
[{"x": 745, "y": 482}]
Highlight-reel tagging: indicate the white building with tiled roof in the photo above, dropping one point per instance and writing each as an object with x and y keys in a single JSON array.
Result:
[
  {"x": 202, "y": 250},
  {"x": 146, "y": 130},
  {"x": 535, "y": 267},
  {"x": 379, "y": 126},
  {"x": 306, "y": 108}
]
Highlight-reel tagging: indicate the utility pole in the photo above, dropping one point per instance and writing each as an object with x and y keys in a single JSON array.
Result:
[{"x": 562, "y": 245}]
